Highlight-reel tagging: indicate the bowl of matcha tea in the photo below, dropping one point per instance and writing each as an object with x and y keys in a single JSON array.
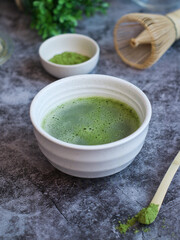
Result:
[
  {"x": 69, "y": 54},
  {"x": 90, "y": 125}
]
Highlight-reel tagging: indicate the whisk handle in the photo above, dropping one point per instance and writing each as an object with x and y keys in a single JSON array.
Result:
[{"x": 175, "y": 18}]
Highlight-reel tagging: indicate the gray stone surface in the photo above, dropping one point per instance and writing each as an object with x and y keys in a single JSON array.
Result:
[{"x": 39, "y": 202}]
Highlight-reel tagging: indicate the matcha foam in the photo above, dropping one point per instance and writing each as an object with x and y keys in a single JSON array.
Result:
[{"x": 91, "y": 121}]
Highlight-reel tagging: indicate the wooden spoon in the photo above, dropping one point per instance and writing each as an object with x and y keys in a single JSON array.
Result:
[
  {"x": 149, "y": 214},
  {"x": 163, "y": 187}
]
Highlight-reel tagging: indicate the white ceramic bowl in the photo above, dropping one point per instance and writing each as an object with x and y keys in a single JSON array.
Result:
[
  {"x": 97, "y": 160},
  {"x": 69, "y": 43}
]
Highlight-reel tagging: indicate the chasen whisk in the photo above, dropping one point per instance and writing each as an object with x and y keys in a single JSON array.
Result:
[{"x": 141, "y": 39}]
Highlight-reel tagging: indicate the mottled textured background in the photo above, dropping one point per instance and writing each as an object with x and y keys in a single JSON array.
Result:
[{"x": 39, "y": 202}]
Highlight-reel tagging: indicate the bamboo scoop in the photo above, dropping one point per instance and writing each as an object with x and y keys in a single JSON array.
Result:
[
  {"x": 149, "y": 214},
  {"x": 162, "y": 189},
  {"x": 141, "y": 39}
]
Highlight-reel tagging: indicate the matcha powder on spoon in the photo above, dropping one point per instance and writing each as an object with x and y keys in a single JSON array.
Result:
[
  {"x": 145, "y": 216},
  {"x": 149, "y": 214}
]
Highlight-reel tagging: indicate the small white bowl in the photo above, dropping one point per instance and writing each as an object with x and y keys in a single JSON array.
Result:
[
  {"x": 97, "y": 160},
  {"x": 69, "y": 43}
]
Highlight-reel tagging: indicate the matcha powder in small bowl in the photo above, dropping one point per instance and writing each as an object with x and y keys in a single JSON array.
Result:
[{"x": 69, "y": 58}]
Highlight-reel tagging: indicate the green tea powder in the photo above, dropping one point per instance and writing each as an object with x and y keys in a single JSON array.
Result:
[
  {"x": 149, "y": 214},
  {"x": 145, "y": 216},
  {"x": 69, "y": 58}
]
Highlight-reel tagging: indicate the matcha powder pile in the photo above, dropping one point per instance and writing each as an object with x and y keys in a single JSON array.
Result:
[
  {"x": 145, "y": 216},
  {"x": 149, "y": 214},
  {"x": 69, "y": 58}
]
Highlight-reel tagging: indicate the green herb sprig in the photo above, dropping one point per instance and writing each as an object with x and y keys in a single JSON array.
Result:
[{"x": 52, "y": 17}]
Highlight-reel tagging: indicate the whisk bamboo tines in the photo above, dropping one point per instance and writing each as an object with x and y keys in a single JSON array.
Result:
[{"x": 141, "y": 39}]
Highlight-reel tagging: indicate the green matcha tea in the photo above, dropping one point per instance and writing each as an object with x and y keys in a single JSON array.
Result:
[
  {"x": 91, "y": 121},
  {"x": 69, "y": 58}
]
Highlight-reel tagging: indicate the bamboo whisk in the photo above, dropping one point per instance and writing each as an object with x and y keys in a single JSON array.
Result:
[{"x": 141, "y": 39}]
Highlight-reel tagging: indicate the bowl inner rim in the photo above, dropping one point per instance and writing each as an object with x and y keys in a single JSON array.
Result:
[{"x": 88, "y": 77}]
